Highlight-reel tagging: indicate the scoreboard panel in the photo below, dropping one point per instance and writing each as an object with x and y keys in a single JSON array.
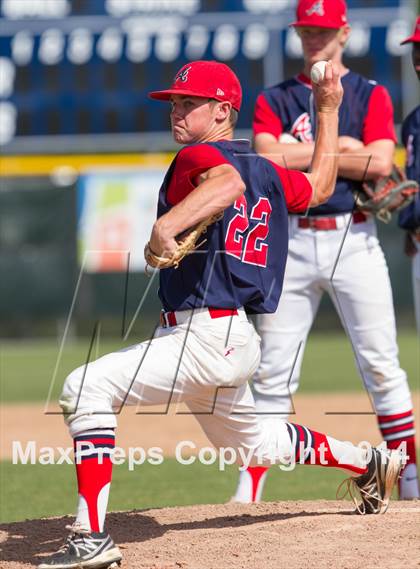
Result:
[{"x": 84, "y": 67}]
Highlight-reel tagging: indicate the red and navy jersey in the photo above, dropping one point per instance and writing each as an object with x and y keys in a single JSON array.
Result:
[
  {"x": 366, "y": 114},
  {"x": 243, "y": 259},
  {"x": 409, "y": 218}
]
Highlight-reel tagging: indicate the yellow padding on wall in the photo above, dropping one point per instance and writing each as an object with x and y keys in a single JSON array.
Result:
[{"x": 46, "y": 165}]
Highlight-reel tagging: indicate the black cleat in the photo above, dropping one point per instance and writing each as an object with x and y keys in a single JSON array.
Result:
[{"x": 375, "y": 486}]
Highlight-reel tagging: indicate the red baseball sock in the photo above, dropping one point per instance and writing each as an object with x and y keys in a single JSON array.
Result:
[
  {"x": 94, "y": 472},
  {"x": 311, "y": 447},
  {"x": 256, "y": 474},
  {"x": 396, "y": 430}
]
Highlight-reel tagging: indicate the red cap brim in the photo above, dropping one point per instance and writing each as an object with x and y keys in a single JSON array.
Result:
[
  {"x": 166, "y": 95},
  {"x": 412, "y": 39},
  {"x": 310, "y": 24}
]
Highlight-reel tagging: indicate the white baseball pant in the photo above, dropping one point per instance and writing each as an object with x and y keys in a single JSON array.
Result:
[
  {"x": 183, "y": 363},
  {"x": 352, "y": 269}
]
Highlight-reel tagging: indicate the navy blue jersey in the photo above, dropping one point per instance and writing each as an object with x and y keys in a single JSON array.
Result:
[
  {"x": 289, "y": 107},
  {"x": 409, "y": 218},
  {"x": 243, "y": 259}
]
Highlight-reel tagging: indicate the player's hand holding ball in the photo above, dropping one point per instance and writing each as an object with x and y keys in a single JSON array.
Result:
[
  {"x": 318, "y": 71},
  {"x": 326, "y": 86}
]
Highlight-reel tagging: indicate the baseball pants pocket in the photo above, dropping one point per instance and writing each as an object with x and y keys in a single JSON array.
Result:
[{"x": 233, "y": 350}]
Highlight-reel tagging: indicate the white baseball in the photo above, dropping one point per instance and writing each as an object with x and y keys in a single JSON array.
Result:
[{"x": 318, "y": 71}]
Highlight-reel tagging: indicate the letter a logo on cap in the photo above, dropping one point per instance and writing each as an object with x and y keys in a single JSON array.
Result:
[
  {"x": 206, "y": 79},
  {"x": 316, "y": 8},
  {"x": 183, "y": 74}
]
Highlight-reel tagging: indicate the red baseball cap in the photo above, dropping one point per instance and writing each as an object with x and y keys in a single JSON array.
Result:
[
  {"x": 209, "y": 79},
  {"x": 321, "y": 14},
  {"x": 415, "y": 38}
]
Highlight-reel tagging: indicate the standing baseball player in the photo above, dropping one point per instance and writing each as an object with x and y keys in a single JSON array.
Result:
[
  {"x": 334, "y": 248},
  {"x": 409, "y": 218},
  {"x": 206, "y": 350}
]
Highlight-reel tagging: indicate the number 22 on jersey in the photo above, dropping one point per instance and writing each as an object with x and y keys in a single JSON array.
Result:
[{"x": 248, "y": 246}]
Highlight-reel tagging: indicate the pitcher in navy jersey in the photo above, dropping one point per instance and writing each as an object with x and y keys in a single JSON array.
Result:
[
  {"x": 409, "y": 218},
  {"x": 334, "y": 248},
  {"x": 205, "y": 341}
]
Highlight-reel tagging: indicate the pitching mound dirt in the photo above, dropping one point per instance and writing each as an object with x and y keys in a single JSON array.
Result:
[{"x": 292, "y": 535}]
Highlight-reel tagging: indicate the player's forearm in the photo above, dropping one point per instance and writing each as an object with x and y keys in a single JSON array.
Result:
[
  {"x": 293, "y": 156},
  {"x": 363, "y": 164},
  {"x": 324, "y": 167},
  {"x": 210, "y": 197}
]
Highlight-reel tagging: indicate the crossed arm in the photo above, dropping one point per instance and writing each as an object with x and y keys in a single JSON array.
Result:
[{"x": 354, "y": 156}]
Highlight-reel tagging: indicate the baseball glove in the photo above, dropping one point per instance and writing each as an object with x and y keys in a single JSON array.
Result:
[
  {"x": 187, "y": 243},
  {"x": 387, "y": 194}
]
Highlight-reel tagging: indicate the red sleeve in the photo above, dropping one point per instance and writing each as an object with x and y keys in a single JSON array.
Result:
[
  {"x": 190, "y": 162},
  {"x": 265, "y": 119},
  {"x": 379, "y": 120},
  {"x": 297, "y": 188}
]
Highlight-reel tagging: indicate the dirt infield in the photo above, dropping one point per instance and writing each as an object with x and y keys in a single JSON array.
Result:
[
  {"x": 323, "y": 412},
  {"x": 292, "y": 535}
]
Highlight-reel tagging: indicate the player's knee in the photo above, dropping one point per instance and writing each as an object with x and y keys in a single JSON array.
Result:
[
  {"x": 71, "y": 393},
  {"x": 73, "y": 383},
  {"x": 383, "y": 380}
]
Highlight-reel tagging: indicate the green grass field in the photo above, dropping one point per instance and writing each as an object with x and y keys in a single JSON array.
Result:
[
  {"x": 32, "y": 491},
  {"x": 27, "y": 369}
]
